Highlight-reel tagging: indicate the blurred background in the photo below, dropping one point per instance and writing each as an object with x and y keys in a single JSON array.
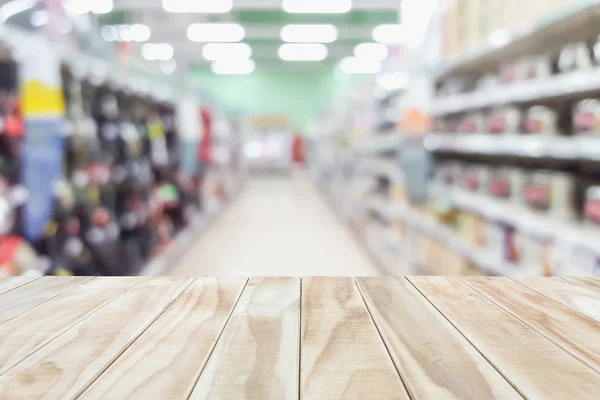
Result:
[{"x": 299, "y": 137}]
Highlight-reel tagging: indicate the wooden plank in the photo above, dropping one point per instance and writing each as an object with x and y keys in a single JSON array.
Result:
[
  {"x": 578, "y": 298},
  {"x": 165, "y": 362},
  {"x": 342, "y": 354},
  {"x": 433, "y": 358},
  {"x": 534, "y": 365},
  {"x": 65, "y": 367},
  {"x": 26, "y": 297},
  {"x": 257, "y": 356},
  {"x": 588, "y": 283},
  {"x": 10, "y": 283},
  {"x": 575, "y": 333},
  {"x": 30, "y": 331}
]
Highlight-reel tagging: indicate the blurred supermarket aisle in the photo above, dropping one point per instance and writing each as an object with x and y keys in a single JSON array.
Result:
[{"x": 277, "y": 226}]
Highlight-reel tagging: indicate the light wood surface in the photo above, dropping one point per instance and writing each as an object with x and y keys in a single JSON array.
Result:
[
  {"x": 299, "y": 338},
  {"x": 576, "y": 297},
  {"x": 589, "y": 283},
  {"x": 67, "y": 365},
  {"x": 575, "y": 333},
  {"x": 518, "y": 352},
  {"x": 30, "y": 331},
  {"x": 434, "y": 359},
  {"x": 166, "y": 361},
  {"x": 257, "y": 356},
  {"x": 32, "y": 294},
  {"x": 7, "y": 284},
  {"x": 342, "y": 355}
]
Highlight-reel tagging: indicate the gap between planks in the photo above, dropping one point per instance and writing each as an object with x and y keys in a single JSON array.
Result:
[{"x": 385, "y": 345}]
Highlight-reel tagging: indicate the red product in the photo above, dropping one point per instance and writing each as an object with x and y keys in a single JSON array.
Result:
[{"x": 205, "y": 150}]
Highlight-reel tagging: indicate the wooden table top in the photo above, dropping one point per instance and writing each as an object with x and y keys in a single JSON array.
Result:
[{"x": 284, "y": 338}]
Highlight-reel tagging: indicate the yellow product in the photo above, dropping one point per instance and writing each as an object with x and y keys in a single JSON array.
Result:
[
  {"x": 156, "y": 130},
  {"x": 472, "y": 229},
  {"x": 39, "y": 99}
]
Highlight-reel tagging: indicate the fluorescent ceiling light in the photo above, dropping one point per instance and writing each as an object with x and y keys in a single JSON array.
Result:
[
  {"x": 303, "y": 52},
  {"x": 109, "y": 33},
  {"x": 222, "y": 33},
  {"x": 317, "y": 6},
  {"x": 389, "y": 34},
  {"x": 371, "y": 51},
  {"x": 39, "y": 18},
  {"x": 140, "y": 32},
  {"x": 157, "y": 51},
  {"x": 238, "y": 67},
  {"x": 168, "y": 67},
  {"x": 393, "y": 81},
  {"x": 323, "y": 33},
  {"x": 101, "y": 6},
  {"x": 126, "y": 33},
  {"x": 221, "y": 51},
  {"x": 197, "y": 6},
  {"x": 353, "y": 65}
]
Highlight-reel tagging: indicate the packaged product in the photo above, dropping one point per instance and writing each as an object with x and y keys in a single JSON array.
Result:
[
  {"x": 518, "y": 177},
  {"x": 592, "y": 206},
  {"x": 538, "y": 191},
  {"x": 504, "y": 120},
  {"x": 500, "y": 183},
  {"x": 573, "y": 57},
  {"x": 471, "y": 123},
  {"x": 563, "y": 196},
  {"x": 534, "y": 255},
  {"x": 540, "y": 120},
  {"x": 586, "y": 117}
]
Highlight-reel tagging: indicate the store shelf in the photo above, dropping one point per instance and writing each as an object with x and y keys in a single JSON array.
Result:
[
  {"x": 570, "y": 24},
  {"x": 569, "y": 84},
  {"x": 382, "y": 167},
  {"x": 423, "y": 223},
  {"x": 535, "y": 146},
  {"x": 538, "y": 225}
]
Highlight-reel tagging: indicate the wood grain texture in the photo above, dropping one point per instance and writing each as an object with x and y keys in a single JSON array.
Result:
[
  {"x": 533, "y": 364},
  {"x": 342, "y": 354},
  {"x": 576, "y": 297},
  {"x": 575, "y": 333},
  {"x": 433, "y": 358},
  {"x": 588, "y": 283},
  {"x": 165, "y": 362},
  {"x": 10, "y": 283},
  {"x": 69, "y": 364},
  {"x": 257, "y": 356},
  {"x": 26, "y": 297},
  {"x": 23, "y": 335}
]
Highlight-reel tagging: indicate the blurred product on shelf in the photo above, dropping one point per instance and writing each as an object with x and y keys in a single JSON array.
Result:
[
  {"x": 515, "y": 173},
  {"x": 122, "y": 195}
]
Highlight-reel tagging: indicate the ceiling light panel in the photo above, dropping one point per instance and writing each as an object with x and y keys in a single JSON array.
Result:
[
  {"x": 302, "y": 52},
  {"x": 235, "y": 67},
  {"x": 197, "y": 6},
  {"x": 221, "y": 33},
  {"x": 354, "y": 65},
  {"x": 157, "y": 51},
  {"x": 317, "y": 6},
  {"x": 316, "y": 33},
  {"x": 223, "y": 51},
  {"x": 389, "y": 34},
  {"x": 371, "y": 51}
]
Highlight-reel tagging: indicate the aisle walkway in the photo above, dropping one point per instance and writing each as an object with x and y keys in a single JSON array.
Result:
[{"x": 278, "y": 226}]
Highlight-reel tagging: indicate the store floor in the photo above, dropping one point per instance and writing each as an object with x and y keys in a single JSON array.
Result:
[{"x": 278, "y": 226}]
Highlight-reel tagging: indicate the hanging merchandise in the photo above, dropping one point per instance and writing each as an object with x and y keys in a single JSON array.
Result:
[
  {"x": 205, "y": 148},
  {"x": 158, "y": 139},
  {"x": 43, "y": 110}
]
